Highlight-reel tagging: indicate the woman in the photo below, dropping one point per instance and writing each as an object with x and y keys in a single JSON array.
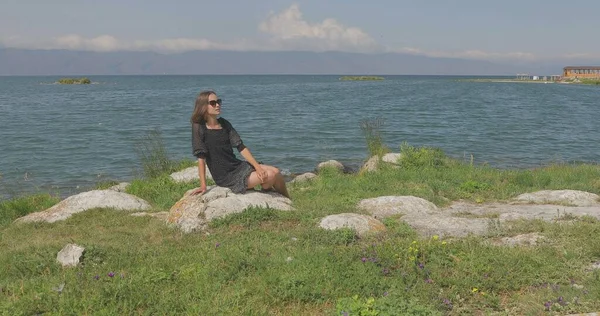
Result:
[{"x": 213, "y": 140}]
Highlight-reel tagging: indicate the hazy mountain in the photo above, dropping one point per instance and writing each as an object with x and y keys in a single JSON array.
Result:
[{"x": 65, "y": 62}]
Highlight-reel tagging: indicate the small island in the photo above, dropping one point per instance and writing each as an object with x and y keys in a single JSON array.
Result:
[
  {"x": 83, "y": 80},
  {"x": 361, "y": 78}
]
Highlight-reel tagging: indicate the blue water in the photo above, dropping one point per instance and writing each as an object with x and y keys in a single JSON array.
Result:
[{"x": 66, "y": 138}]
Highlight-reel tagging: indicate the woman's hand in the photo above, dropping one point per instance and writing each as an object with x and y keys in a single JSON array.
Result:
[
  {"x": 200, "y": 190},
  {"x": 262, "y": 174}
]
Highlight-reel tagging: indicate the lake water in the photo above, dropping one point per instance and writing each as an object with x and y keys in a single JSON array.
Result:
[{"x": 68, "y": 137}]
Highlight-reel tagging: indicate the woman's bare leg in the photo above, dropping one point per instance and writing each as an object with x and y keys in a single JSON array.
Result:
[{"x": 279, "y": 182}]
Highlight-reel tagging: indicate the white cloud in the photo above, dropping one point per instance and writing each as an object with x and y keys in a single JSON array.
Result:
[
  {"x": 285, "y": 30},
  {"x": 289, "y": 30}
]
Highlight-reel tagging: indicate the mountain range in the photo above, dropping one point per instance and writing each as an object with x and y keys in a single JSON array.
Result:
[{"x": 66, "y": 62}]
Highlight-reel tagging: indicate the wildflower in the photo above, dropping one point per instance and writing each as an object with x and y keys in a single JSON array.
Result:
[
  {"x": 561, "y": 301},
  {"x": 217, "y": 245},
  {"x": 345, "y": 314},
  {"x": 111, "y": 274},
  {"x": 421, "y": 265},
  {"x": 363, "y": 259},
  {"x": 428, "y": 281},
  {"x": 444, "y": 243},
  {"x": 548, "y": 304},
  {"x": 435, "y": 237},
  {"x": 97, "y": 277},
  {"x": 474, "y": 290},
  {"x": 414, "y": 242},
  {"x": 385, "y": 293},
  {"x": 385, "y": 271}
]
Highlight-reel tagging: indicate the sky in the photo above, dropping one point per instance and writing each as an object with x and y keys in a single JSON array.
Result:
[{"x": 517, "y": 30}]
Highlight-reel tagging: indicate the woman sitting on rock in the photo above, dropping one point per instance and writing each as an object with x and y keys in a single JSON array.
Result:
[{"x": 213, "y": 140}]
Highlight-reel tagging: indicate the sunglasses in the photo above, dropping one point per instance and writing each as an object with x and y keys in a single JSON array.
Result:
[{"x": 214, "y": 102}]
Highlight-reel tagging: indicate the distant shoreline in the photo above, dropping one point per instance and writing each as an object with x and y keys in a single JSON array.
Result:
[{"x": 528, "y": 81}]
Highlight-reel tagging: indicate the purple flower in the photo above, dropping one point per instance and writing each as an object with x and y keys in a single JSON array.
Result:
[
  {"x": 547, "y": 305},
  {"x": 561, "y": 301},
  {"x": 97, "y": 277},
  {"x": 111, "y": 274},
  {"x": 385, "y": 271},
  {"x": 385, "y": 293},
  {"x": 217, "y": 245},
  {"x": 363, "y": 259},
  {"x": 345, "y": 313},
  {"x": 428, "y": 280},
  {"x": 421, "y": 265}
]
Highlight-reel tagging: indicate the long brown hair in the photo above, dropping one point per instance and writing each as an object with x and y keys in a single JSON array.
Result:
[{"x": 201, "y": 106}]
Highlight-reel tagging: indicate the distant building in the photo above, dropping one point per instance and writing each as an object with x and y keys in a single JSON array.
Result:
[{"x": 581, "y": 72}]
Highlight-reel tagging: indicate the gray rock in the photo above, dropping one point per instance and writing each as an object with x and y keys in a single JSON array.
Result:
[
  {"x": 86, "y": 201},
  {"x": 386, "y": 206},
  {"x": 121, "y": 187},
  {"x": 362, "y": 224},
  {"x": 392, "y": 158},
  {"x": 568, "y": 197},
  {"x": 189, "y": 175},
  {"x": 69, "y": 255},
  {"x": 304, "y": 177},
  {"x": 423, "y": 216},
  {"x": 331, "y": 163},
  {"x": 371, "y": 165},
  {"x": 530, "y": 239},
  {"x": 193, "y": 212}
]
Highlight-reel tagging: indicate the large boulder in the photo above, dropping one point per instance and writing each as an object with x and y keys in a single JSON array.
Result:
[
  {"x": 362, "y": 224},
  {"x": 189, "y": 175},
  {"x": 87, "y": 201},
  {"x": 463, "y": 218},
  {"x": 386, "y": 206},
  {"x": 193, "y": 212},
  {"x": 562, "y": 197},
  {"x": 422, "y": 215}
]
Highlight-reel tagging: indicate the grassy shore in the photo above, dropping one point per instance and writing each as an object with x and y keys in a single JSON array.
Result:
[
  {"x": 83, "y": 80},
  {"x": 266, "y": 262}
]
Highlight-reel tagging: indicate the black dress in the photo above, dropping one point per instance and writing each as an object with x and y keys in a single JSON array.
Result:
[{"x": 216, "y": 146}]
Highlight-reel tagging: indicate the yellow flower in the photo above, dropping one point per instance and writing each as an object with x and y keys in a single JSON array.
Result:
[
  {"x": 443, "y": 242},
  {"x": 474, "y": 290},
  {"x": 414, "y": 242},
  {"x": 435, "y": 237}
]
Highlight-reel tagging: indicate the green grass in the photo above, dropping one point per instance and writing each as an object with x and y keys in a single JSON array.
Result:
[
  {"x": 591, "y": 81},
  {"x": 268, "y": 262}
]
